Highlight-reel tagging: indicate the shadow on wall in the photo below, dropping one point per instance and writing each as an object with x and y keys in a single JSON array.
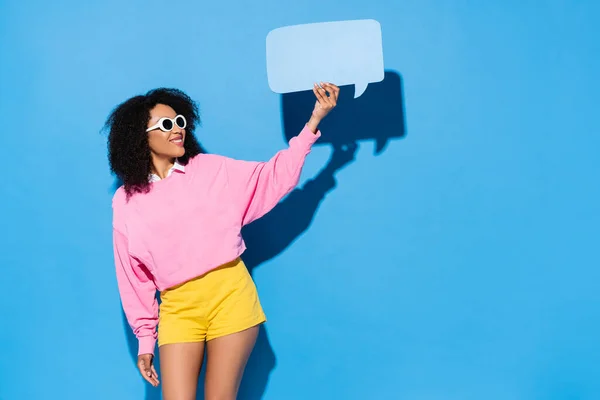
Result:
[{"x": 377, "y": 115}]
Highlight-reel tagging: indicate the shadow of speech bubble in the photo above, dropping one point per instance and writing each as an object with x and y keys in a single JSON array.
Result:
[
  {"x": 378, "y": 115},
  {"x": 343, "y": 53}
]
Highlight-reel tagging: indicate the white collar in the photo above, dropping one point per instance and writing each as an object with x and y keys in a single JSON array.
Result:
[{"x": 176, "y": 167}]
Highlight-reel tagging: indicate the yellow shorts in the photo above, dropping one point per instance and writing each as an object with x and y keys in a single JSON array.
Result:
[{"x": 219, "y": 303}]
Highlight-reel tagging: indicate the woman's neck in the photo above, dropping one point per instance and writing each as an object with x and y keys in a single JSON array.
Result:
[{"x": 161, "y": 166}]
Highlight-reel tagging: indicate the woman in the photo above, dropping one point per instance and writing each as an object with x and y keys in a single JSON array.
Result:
[{"x": 176, "y": 229}]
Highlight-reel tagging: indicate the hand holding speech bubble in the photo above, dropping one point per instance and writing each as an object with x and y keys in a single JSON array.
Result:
[
  {"x": 377, "y": 115},
  {"x": 343, "y": 53}
]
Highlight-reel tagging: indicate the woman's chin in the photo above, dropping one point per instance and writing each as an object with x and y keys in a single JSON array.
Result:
[{"x": 179, "y": 153}]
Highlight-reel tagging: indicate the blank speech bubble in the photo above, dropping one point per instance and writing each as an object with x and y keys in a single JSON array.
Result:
[{"x": 343, "y": 53}]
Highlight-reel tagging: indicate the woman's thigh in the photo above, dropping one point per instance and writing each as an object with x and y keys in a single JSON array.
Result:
[
  {"x": 180, "y": 365},
  {"x": 225, "y": 363}
]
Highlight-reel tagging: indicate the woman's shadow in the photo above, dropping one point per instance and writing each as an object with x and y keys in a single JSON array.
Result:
[{"x": 377, "y": 115}]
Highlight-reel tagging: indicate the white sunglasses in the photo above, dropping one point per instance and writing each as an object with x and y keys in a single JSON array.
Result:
[{"x": 167, "y": 124}]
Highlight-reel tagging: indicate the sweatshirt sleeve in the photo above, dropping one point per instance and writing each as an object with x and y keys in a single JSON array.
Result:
[
  {"x": 138, "y": 295},
  {"x": 257, "y": 187}
]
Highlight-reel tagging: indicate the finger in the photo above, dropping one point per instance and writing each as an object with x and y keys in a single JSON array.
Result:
[
  {"x": 145, "y": 370},
  {"x": 151, "y": 381},
  {"x": 330, "y": 94},
  {"x": 317, "y": 95},
  {"x": 320, "y": 93},
  {"x": 154, "y": 381},
  {"x": 326, "y": 89},
  {"x": 155, "y": 375},
  {"x": 336, "y": 91},
  {"x": 315, "y": 91},
  {"x": 324, "y": 99},
  {"x": 333, "y": 90},
  {"x": 146, "y": 376},
  {"x": 321, "y": 89}
]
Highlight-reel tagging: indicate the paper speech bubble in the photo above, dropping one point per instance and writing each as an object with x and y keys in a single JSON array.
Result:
[{"x": 343, "y": 53}]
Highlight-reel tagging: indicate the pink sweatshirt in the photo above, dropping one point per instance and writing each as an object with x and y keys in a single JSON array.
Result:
[{"x": 189, "y": 223}]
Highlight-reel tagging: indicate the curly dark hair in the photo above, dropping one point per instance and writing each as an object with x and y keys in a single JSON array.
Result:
[{"x": 128, "y": 149}]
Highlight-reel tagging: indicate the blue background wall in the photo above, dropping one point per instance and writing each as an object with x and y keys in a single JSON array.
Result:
[{"x": 460, "y": 262}]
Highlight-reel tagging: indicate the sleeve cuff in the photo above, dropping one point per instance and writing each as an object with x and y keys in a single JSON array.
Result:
[
  {"x": 307, "y": 137},
  {"x": 146, "y": 345}
]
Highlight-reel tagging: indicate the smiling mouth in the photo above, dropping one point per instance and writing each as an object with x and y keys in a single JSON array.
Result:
[{"x": 177, "y": 139}]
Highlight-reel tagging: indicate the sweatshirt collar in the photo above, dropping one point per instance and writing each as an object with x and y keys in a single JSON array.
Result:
[{"x": 176, "y": 167}]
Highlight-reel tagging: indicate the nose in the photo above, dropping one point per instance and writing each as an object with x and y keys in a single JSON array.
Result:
[{"x": 177, "y": 132}]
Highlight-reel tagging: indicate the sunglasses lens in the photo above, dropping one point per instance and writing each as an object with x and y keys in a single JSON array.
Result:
[
  {"x": 167, "y": 125},
  {"x": 180, "y": 121}
]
